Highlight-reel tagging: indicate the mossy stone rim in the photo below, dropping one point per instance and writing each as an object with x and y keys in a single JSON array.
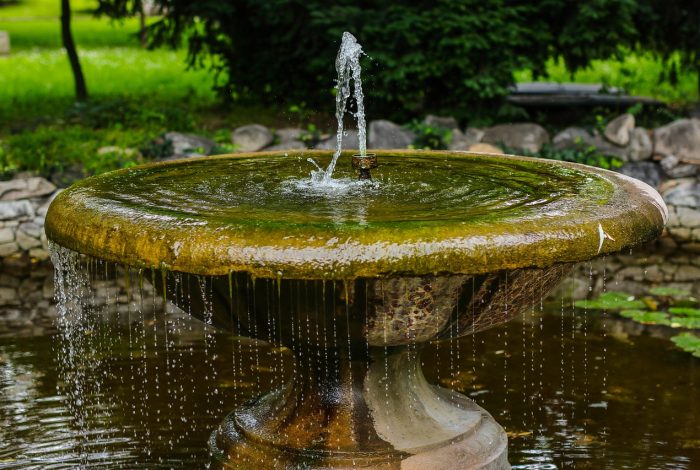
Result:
[{"x": 82, "y": 219}]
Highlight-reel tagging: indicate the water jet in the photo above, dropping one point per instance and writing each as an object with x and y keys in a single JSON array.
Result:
[{"x": 437, "y": 246}]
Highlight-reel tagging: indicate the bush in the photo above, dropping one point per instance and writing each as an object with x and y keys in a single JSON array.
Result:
[{"x": 455, "y": 56}]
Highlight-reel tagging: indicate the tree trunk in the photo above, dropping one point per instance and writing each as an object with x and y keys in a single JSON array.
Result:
[
  {"x": 143, "y": 33},
  {"x": 81, "y": 93}
]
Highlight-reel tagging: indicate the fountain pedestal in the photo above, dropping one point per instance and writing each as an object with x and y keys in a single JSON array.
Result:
[{"x": 376, "y": 413}]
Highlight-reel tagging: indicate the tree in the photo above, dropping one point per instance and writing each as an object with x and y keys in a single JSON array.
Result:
[
  {"x": 81, "y": 92},
  {"x": 456, "y": 56}
]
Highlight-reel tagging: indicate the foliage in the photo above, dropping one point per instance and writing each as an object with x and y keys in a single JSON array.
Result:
[
  {"x": 429, "y": 136},
  {"x": 582, "y": 153},
  {"x": 688, "y": 342},
  {"x": 667, "y": 306},
  {"x": 421, "y": 54},
  {"x": 638, "y": 73}
]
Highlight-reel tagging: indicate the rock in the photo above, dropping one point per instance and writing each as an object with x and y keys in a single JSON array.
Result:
[
  {"x": 32, "y": 229},
  {"x": 464, "y": 140},
  {"x": 682, "y": 171},
  {"x": 25, "y": 188},
  {"x": 687, "y": 195},
  {"x": 640, "y": 146},
  {"x": 674, "y": 169},
  {"x": 189, "y": 144},
  {"x": 569, "y": 137},
  {"x": 7, "y": 235},
  {"x": 4, "y": 43},
  {"x": 485, "y": 148},
  {"x": 618, "y": 130},
  {"x": 26, "y": 241},
  {"x": 447, "y": 122},
  {"x": 350, "y": 141},
  {"x": 289, "y": 145},
  {"x": 687, "y": 216},
  {"x": 7, "y": 249},
  {"x": 16, "y": 209},
  {"x": 385, "y": 134},
  {"x": 251, "y": 138},
  {"x": 289, "y": 134},
  {"x": 528, "y": 137},
  {"x": 687, "y": 273},
  {"x": 680, "y": 138},
  {"x": 39, "y": 253},
  {"x": 648, "y": 172}
]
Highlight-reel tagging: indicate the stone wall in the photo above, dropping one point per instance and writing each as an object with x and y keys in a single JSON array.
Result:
[{"x": 24, "y": 202}]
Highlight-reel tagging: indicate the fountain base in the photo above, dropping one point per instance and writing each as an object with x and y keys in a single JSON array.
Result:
[{"x": 379, "y": 413}]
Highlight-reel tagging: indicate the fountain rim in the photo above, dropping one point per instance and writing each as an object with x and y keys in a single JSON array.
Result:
[{"x": 634, "y": 214}]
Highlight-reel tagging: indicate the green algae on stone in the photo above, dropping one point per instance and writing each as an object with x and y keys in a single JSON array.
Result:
[{"x": 424, "y": 213}]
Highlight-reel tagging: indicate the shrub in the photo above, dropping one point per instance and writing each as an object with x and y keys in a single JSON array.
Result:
[{"x": 423, "y": 56}]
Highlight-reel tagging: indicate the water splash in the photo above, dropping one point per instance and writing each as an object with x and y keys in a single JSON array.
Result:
[{"x": 347, "y": 64}]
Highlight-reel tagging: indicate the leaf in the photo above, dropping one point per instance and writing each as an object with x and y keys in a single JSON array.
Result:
[
  {"x": 612, "y": 301},
  {"x": 685, "y": 322},
  {"x": 686, "y": 311},
  {"x": 688, "y": 342},
  {"x": 646, "y": 317},
  {"x": 663, "y": 291}
]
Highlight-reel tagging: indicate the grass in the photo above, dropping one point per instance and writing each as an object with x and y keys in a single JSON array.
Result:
[
  {"x": 88, "y": 32},
  {"x": 42, "y": 8},
  {"x": 641, "y": 75}
]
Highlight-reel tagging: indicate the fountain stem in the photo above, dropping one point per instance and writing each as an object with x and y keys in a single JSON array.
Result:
[{"x": 364, "y": 163}]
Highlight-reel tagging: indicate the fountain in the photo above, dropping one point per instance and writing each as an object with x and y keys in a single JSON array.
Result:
[{"x": 352, "y": 279}]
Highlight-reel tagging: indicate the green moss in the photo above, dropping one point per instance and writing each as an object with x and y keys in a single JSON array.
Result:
[{"x": 428, "y": 212}]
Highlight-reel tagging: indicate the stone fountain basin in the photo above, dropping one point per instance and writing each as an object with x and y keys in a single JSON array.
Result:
[{"x": 443, "y": 244}]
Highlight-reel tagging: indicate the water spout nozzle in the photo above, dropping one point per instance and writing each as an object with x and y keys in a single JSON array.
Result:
[{"x": 364, "y": 163}]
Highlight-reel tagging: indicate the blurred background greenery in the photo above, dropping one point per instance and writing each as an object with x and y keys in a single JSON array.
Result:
[{"x": 208, "y": 66}]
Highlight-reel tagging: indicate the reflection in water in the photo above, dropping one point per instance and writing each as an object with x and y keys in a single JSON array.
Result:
[{"x": 155, "y": 387}]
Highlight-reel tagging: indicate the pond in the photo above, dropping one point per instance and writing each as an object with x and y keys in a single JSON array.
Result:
[{"x": 573, "y": 388}]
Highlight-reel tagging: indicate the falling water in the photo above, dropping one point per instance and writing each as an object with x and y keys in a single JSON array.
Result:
[{"x": 347, "y": 64}]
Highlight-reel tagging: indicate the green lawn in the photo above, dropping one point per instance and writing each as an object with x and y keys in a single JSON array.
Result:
[{"x": 43, "y": 8}]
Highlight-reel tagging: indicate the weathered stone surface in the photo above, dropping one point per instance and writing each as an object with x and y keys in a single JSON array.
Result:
[
  {"x": 687, "y": 195},
  {"x": 39, "y": 253},
  {"x": 448, "y": 122},
  {"x": 289, "y": 145},
  {"x": 688, "y": 216},
  {"x": 189, "y": 144},
  {"x": 648, "y": 172},
  {"x": 44, "y": 207},
  {"x": 680, "y": 138},
  {"x": 385, "y": 134},
  {"x": 16, "y": 209},
  {"x": 523, "y": 136},
  {"x": 485, "y": 148},
  {"x": 26, "y": 241},
  {"x": 687, "y": 273},
  {"x": 7, "y": 235},
  {"x": 464, "y": 140},
  {"x": 7, "y": 249},
  {"x": 640, "y": 146},
  {"x": 4, "y": 43},
  {"x": 289, "y": 134},
  {"x": 32, "y": 229},
  {"x": 683, "y": 170},
  {"x": 25, "y": 188},
  {"x": 350, "y": 141},
  {"x": 618, "y": 130},
  {"x": 251, "y": 138},
  {"x": 570, "y": 137}
]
